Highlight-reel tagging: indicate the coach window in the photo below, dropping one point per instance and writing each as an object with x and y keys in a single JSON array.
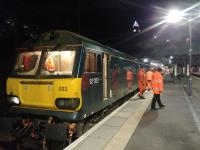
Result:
[
  {"x": 91, "y": 62},
  {"x": 99, "y": 63},
  {"x": 87, "y": 63}
]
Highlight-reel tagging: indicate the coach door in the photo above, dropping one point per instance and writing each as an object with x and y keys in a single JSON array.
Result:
[{"x": 105, "y": 76}]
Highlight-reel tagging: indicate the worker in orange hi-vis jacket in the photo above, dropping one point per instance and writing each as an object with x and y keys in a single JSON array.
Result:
[
  {"x": 129, "y": 78},
  {"x": 141, "y": 82},
  {"x": 49, "y": 64},
  {"x": 149, "y": 78},
  {"x": 157, "y": 87},
  {"x": 115, "y": 80}
]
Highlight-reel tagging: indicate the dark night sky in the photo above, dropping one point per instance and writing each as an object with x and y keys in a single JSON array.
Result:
[{"x": 107, "y": 21}]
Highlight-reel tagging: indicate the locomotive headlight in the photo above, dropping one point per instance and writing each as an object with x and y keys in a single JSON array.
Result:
[
  {"x": 13, "y": 100},
  {"x": 67, "y": 103}
]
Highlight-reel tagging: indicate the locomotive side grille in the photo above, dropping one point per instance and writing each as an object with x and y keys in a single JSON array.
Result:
[{"x": 36, "y": 82}]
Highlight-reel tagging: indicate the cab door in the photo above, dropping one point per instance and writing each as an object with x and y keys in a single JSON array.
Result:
[
  {"x": 106, "y": 88},
  {"x": 92, "y": 81}
]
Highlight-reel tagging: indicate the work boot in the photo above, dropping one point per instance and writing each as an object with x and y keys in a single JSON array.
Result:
[
  {"x": 142, "y": 97},
  {"x": 154, "y": 108},
  {"x": 162, "y": 106}
]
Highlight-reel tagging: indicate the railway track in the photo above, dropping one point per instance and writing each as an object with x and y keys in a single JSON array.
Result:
[
  {"x": 96, "y": 118},
  {"x": 88, "y": 124}
]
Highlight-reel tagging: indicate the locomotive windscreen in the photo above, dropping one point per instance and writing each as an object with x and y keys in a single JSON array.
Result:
[
  {"x": 45, "y": 62},
  {"x": 27, "y": 63},
  {"x": 58, "y": 63}
]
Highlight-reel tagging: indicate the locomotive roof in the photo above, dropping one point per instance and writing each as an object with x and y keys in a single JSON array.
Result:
[{"x": 62, "y": 37}]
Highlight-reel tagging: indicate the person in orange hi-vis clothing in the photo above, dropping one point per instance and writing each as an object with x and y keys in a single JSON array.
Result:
[
  {"x": 129, "y": 78},
  {"x": 49, "y": 64},
  {"x": 115, "y": 80},
  {"x": 141, "y": 82},
  {"x": 157, "y": 87},
  {"x": 149, "y": 78}
]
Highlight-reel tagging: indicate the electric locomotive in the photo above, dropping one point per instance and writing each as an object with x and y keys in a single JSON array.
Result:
[{"x": 59, "y": 80}]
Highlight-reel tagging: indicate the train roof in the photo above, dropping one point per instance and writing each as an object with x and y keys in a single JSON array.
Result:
[{"x": 62, "y": 37}]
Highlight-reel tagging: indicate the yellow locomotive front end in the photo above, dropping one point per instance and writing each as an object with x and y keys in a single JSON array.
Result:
[
  {"x": 44, "y": 92},
  {"x": 45, "y": 81}
]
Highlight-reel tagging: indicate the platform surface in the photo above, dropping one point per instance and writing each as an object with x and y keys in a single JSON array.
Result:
[{"x": 134, "y": 126}]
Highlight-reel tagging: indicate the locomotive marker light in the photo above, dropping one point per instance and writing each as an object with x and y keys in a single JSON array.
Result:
[
  {"x": 67, "y": 103},
  {"x": 13, "y": 100}
]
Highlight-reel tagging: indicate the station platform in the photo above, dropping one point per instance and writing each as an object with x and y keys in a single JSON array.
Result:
[{"x": 133, "y": 126}]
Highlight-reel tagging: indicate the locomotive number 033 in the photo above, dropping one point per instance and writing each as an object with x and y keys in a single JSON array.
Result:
[{"x": 62, "y": 88}]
